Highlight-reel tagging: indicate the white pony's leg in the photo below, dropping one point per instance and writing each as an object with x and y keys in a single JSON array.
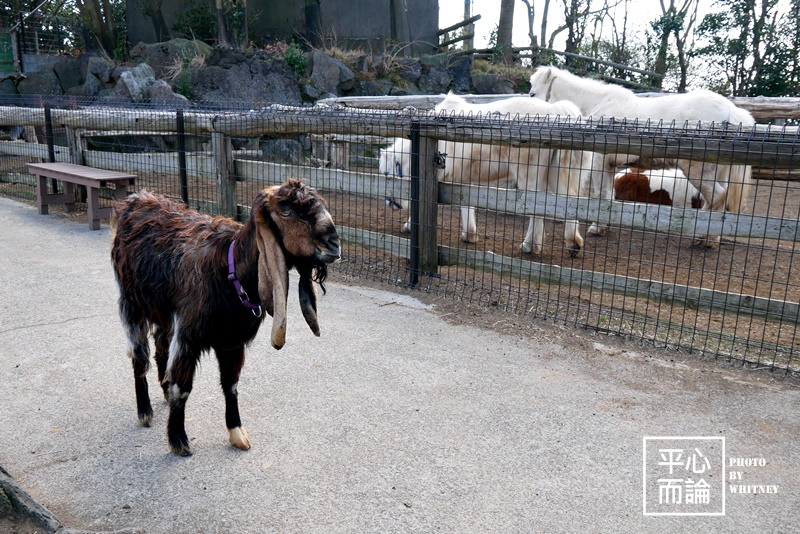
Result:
[
  {"x": 469, "y": 230},
  {"x": 602, "y": 180},
  {"x": 572, "y": 237},
  {"x": 534, "y": 238},
  {"x": 714, "y": 195},
  {"x": 406, "y": 229}
]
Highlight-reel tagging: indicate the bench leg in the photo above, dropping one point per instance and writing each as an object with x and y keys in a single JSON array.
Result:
[
  {"x": 41, "y": 195},
  {"x": 93, "y": 206},
  {"x": 69, "y": 192}
]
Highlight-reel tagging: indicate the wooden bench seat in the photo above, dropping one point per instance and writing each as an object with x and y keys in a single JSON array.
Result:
[{"x": 71, "y": 175}]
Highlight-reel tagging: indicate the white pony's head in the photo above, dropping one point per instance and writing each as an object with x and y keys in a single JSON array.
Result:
[
  {"x": 396, "y": 159},
  {"x": 452, "y": 102},
  {"x": 542, "y": 83}
]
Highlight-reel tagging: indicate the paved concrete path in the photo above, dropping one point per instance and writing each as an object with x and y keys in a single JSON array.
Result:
[{"x": 392, "y": 421}]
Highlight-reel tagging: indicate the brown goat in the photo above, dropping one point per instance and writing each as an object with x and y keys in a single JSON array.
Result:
[{"x": 188, "y": 278}]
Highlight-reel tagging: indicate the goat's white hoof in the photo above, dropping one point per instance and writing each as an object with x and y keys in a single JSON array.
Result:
[
  {"x": 469, "y": 238},
  {"x": 238, "y": 438}
]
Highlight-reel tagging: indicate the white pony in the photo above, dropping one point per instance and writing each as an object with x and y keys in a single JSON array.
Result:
[
  {"x": 723, "y": 187},
  {"x": 530, "y": 168},
  {"x": 395, "y": 160}
]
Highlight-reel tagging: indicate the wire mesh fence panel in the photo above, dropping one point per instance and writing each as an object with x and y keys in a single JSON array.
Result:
[{"x": 535, "y": 215}]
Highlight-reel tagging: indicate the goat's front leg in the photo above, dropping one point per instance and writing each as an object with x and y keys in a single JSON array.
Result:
[{"x": 230, "y": 366}]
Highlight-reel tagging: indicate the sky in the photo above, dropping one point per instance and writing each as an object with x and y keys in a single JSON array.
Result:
[{"x": 641, "y": 12}]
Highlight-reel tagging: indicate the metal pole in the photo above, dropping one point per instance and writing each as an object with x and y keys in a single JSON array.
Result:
[
  {"x": 415, "y": 168},
  {"x": 182, "y": 158}
]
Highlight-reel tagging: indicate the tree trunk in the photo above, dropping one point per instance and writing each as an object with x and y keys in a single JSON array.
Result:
[
  {"x": 504, "y": 29},
  {"x": 222, "y": 32}
]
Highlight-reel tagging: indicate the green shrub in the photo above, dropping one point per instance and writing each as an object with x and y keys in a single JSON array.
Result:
[{"x": 295, "y": 58}]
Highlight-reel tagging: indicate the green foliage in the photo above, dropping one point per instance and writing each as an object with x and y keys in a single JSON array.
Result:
[
  {"x": 183, "y": 84},
  {"x": 295, "y": 58}
]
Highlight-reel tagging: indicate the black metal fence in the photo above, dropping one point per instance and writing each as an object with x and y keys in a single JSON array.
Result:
[{"x": 645, "y": 278}]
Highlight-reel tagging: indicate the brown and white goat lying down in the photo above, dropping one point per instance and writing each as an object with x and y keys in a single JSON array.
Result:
[{"x": 172, "y": 267}]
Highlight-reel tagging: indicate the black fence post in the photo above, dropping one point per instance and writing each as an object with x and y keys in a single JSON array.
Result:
[
  {"x": 414, "y": 252},
  {"x": 182, "y": 158}
]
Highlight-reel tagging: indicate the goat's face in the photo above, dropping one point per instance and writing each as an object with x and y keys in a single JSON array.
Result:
[{"x": 302, "y": 219}]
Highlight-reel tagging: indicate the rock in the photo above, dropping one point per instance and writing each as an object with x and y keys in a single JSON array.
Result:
[
  {"x": 43, "y": 82},
  {"x": 68, "y": 71},
  {"x": 460, "y": 69},
  {"x": 135, "y": 83},
  {"x": 329, "y": 75},
  {"x": 8, "y": 87},
  {"x": 283, "y": 151},
  {"x": 255, "y": 81},
  {"x": 164, "y": 56},
  {"x": 378, "y": 87},
  {"x": 434, "y": 81},
  {"x": 434, "y": 60},
  {"x": 98, "y": 67},
  {"x": 161, "y": 93},
  {"x": 409, "y": 69},
  {"x": 483, "y": 83}
]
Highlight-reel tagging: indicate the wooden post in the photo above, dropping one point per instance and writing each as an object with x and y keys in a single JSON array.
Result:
[
  {"x": 221, "y": 152},
  {"x": 76, "y": 157},
  {"x": 339, "y": 154},
  {"x": 424, "y": 205}
]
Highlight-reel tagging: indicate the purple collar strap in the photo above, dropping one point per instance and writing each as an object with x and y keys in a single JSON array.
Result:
[{"x": 245, "y": 300}]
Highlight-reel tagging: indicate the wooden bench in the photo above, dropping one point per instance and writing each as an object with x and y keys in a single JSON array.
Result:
[{"x": 72, "y": 175}]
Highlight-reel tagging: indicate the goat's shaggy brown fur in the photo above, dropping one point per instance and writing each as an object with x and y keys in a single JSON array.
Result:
[{"x": 171, "y": 266}]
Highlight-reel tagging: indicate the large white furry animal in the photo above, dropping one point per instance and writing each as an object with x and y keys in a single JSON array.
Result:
[
  {"x": 597, "y": 99},
  {"x": 530, "y": 168}
]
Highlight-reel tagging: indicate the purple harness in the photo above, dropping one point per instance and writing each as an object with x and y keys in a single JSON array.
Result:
[{"x": 245, "y": 300}]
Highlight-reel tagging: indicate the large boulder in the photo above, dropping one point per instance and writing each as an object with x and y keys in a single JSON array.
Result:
[
  {"x": 164, "y": 57},
  {"x": 135, "y": 83},
  {"x": 161, "y": 93},
  {"x": 434, "y": 80},
  {"x": 99, "y": 67},
  {"x": 460, "y": 70},
  {"x": 68, "y": 71},
  {"x": 43, "y": 82},
  {"x": 492, "y": 84},
  {"x": 244, "y": 78},
  {"x": 328, "y": 75}
]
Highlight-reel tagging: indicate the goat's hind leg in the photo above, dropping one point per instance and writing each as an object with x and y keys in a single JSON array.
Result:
[
  {"x": 139, "y": 352},
  {"x": 181, "y": 365},
  {"x": 230, "y": 367}
]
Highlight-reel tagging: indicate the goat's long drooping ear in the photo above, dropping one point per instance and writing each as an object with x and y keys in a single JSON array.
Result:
[
  {"x": 273, "y": 276},
  {"x": 308, "y": 299}
]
